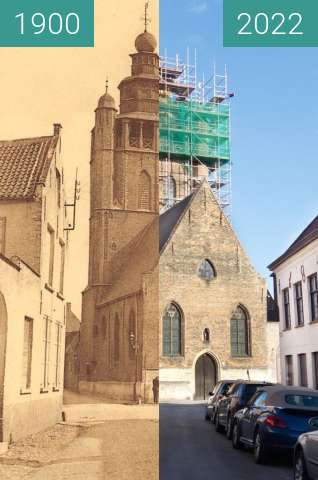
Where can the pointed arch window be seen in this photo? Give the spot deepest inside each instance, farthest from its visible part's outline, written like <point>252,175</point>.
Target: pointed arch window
<point>171,331</point>
<point>206,270</point>
<point>116,340</point>
<point>240,333</point>
<point>144,191</point>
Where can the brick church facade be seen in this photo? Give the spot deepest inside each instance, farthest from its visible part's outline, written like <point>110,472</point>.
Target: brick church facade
<point>119,330</point>
<point>214,305</point>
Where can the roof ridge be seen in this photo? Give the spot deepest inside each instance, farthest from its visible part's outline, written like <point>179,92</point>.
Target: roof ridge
<point>308,235</point>
<point>27,139</point>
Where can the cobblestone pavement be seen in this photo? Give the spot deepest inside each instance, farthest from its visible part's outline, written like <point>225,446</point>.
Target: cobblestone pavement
<point>112,450</point>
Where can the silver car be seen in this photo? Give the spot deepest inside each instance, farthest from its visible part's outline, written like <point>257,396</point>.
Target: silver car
<point>306,456</point>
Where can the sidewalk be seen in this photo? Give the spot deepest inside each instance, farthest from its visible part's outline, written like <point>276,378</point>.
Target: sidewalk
<point>98,441</point>
<point>94,410</point>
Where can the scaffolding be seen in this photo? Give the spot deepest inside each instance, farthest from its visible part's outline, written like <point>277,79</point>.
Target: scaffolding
<point>194,133</point>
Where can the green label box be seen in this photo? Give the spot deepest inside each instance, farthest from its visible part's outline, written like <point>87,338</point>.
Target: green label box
<point>270,23</point>
<point>47,23</point>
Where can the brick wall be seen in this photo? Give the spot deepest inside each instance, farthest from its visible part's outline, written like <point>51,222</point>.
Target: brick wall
<point>23,230</point>
<point>205,233</point>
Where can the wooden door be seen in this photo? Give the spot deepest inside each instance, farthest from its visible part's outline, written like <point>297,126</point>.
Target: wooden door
<point>205,376</point>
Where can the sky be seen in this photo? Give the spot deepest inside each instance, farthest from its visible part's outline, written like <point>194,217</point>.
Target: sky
<point>40,86</point>
<point>274,126</point>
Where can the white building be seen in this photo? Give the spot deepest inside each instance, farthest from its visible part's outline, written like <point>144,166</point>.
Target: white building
<point>296,290</point>
<point>33,247</point>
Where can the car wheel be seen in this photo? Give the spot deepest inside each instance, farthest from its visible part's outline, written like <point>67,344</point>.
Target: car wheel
<point>236,436</point>
<point>229,427</point>
<point>300,471</point>
<point>218,426</point>
<point>260,453</point>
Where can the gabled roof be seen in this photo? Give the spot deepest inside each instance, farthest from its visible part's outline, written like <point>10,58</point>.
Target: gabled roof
<point>170,219</point>
<point>305,238</point>
<point>24,164</point>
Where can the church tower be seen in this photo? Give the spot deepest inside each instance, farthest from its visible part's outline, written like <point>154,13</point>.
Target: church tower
<point>124,163</point>
<point>119,330</point>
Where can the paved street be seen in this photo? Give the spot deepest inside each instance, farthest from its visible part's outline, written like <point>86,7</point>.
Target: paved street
<point>99,442</point>
<point>190,449</point>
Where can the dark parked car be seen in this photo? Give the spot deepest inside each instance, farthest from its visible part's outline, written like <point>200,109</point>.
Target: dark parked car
<point>306,455</point>
<point>274,419</point>
<point>235,399</point>
<point>219,390</point>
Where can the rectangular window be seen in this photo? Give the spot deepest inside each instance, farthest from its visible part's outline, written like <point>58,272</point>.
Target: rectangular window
<point>27,353</point>
<point>51,255</point>
<point>286,309</point>
<point>46,352</point>
<point>315,368</point>
<point>289,370</point>
<point>57,359</point>
<point>3,224</point>
<point>302,366</point>
<point>313,293</point>
<point>299,304</point>
<point>62,266</point>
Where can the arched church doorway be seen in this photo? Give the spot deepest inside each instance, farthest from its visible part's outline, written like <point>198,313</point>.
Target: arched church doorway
<point>3,343</point>
<point>205,376</point>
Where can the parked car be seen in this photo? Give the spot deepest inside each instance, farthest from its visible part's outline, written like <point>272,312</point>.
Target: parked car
<point>306,455</point>
<point>235,399</point>
<point>274,419</point>
<point>219,390</point>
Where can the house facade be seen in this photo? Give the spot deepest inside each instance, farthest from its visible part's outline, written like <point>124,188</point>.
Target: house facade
<point>295,276</point>
<point>33,250</point>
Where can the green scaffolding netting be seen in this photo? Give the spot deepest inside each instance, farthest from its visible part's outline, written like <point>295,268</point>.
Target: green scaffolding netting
<point>190,128</point>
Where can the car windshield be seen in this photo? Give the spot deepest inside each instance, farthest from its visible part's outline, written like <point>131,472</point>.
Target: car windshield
<point>225,387</point>
<point>302,400</point>
<point>249,390</point>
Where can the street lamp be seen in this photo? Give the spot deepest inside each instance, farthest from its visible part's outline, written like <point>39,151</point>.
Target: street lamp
<point>135,346</point>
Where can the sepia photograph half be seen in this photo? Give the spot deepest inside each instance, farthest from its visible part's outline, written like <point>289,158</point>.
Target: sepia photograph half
<point>158,241</point>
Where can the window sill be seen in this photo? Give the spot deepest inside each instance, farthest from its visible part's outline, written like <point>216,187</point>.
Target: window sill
<point>44,390</point>
<point>173,356</point>
<point>60,296</point>
<point>25,391</point>
<point>55,389</point>
<point>241,357</point>
<point>300,326</point>
<point>49,288</point>
<point>286,329</point>
<point>313,322</point>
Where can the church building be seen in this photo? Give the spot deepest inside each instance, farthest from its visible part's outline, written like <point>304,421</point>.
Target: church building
<point>185,299</point>
<point>119,331</point>
<point>213,304</point>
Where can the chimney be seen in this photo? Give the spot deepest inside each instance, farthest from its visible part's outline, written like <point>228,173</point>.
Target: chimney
<point>57,129</point>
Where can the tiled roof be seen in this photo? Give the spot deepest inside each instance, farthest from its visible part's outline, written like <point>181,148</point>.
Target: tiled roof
<point>23,165</point>
<point>305,238</point>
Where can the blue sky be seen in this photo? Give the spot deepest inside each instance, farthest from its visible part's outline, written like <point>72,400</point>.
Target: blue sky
<point>274,126</point>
